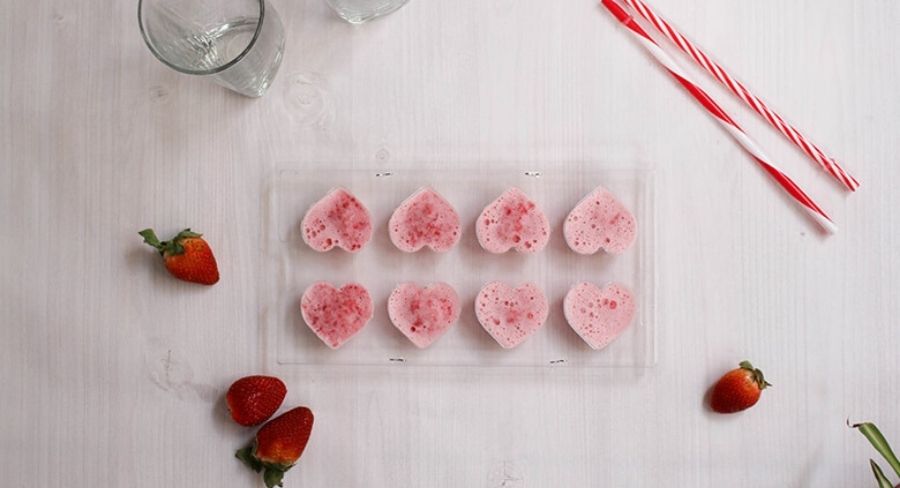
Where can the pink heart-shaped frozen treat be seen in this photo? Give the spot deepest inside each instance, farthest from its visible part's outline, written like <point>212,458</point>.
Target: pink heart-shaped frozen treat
<point>510,315</point>
<point>424,219</point>
<point>336,315</point>
<point>512,221</point>
<point>600,221</point>
<point>599,315</point>
<point>339,219</point>
<point>423,314</point>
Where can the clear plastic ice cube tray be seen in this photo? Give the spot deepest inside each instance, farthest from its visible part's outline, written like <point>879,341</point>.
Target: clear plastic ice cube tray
<point>290,266</point>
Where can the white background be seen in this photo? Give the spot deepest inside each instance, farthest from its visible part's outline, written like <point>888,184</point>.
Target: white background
<point>111,373</point>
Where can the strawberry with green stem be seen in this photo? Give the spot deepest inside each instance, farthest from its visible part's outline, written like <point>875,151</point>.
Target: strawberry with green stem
<point>278,445</point>
<point>187,256</point>
<point>739,389</point>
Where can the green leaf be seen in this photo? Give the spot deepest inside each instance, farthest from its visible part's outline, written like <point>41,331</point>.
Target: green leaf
<point>272,477</point>
<point>186,234</point>
<point>151,239</point>
<point>758,376</point>
<point>883,482</point>
<point>246,455</point>
<point>174,247</point>
<point>880,444</point>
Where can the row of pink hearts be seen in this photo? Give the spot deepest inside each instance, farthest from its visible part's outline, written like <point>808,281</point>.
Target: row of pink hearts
<point>509,314</point>
<point>512,221</point>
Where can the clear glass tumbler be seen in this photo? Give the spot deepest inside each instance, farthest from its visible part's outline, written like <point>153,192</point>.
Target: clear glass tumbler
<point>359,11</point>
<point>238,43</point>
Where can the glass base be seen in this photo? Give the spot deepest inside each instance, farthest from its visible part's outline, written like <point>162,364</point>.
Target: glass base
<point>362,11</point>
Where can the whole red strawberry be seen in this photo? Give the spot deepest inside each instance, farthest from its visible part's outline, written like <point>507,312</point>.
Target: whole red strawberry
<point>187,256</point>
<point>738,390</point>
<point>278,445</point>
<point>253,399</point>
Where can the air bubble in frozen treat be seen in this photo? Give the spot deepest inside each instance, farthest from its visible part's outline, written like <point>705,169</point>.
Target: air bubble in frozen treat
<point>511,315</point>
<point>337,220</point>
<point>513,221</point>
<point>424,219</point>
<point>600,221</point>
<point>336,314</point>
<point>423,314</point>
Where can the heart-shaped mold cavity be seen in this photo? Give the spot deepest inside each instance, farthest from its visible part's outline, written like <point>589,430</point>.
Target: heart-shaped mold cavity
<point>423,314</point>
<point>599,315</point>
<point>336,315</point>
<point>337,220</point>
<point>512,221</point>
<point>424,219</point>
<point>600,221</point>
<point>511,315</point>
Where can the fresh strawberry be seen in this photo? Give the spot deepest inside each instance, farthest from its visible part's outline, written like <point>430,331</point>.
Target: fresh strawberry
<point>278,445</point>
<point>738,390</point>
<point>187,256</point>
<point>253,399</point>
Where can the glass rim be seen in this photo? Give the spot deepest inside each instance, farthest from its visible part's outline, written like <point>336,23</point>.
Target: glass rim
<point>212,71</point>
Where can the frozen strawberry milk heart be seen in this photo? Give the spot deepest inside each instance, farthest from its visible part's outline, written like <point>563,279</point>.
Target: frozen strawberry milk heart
<point>424,219</point>
<point>336,315</point>
<point>510,315</point>
<point>597,314</point>
<point>512,221</point>
<point>600,221</point>
<point>339,219</point>
<point>423,314</point>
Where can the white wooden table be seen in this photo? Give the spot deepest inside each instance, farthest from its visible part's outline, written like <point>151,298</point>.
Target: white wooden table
<point>111,374</point>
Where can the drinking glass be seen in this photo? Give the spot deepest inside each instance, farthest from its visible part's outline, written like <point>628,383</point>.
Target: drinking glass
<point>359,11</point>
<point>238,43</point>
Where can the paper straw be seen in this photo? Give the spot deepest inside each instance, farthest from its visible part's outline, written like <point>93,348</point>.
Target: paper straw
<point>739,90</point>
<point>806,203</point>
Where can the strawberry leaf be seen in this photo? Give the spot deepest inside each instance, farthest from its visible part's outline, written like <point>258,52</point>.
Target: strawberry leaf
<point>272,477</point>
<point>151,239</point>
<point>246,455</point>
<point>880,444</point>
<point>883,482</point>
<point>171,247</point>
<point>185,234</point>
<point>758,376</point>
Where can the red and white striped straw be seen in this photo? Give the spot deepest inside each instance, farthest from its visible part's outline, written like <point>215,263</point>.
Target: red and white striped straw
<point>730,125</point>
<point>739,90</point>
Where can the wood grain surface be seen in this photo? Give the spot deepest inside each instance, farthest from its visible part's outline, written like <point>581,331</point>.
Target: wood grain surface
<point>111,373</point>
